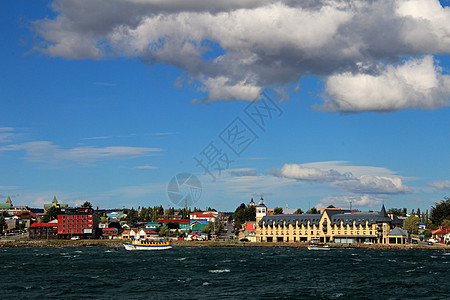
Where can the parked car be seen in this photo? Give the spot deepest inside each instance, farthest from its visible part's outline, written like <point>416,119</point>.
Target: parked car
<point>415,242</point>
<point>430,243</point>
<point>368,243</point>
<point>75,238</point>
<point>244,240</point>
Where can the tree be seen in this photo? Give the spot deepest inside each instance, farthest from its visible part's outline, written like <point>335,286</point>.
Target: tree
<point>278,210</point>
<point>412,224</point>
<point>2,223</point>
<point>173,225</point>
<point>164,231</point>
<point>115,225</point>
<point>298,212</point>
<point>313,211</point>
<point>51,214</point>
<point>132,217</point>
<point>219,229</point>
<point>395,211</point>
<point>250,213</point>
<point>404,212</point>
<point>419,215</point>
<point>427,233</point>
<point>208,228</point>
<point>86,204</point>
<point>440,212</point>
<point>331,206</point>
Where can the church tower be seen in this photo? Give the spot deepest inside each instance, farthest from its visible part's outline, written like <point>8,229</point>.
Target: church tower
<point>261,210</point>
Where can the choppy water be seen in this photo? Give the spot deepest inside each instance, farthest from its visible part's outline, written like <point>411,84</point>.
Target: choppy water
<point>192,273</point>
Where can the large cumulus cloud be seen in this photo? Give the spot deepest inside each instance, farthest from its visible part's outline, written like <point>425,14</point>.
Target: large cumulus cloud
<point>269,44</point>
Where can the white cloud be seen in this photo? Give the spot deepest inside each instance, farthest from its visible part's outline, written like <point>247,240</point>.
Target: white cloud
<point>357,201</point>
<point>265,43</point>
<point>368,184</point>
<point>355,179</point>
<point>300,172</point>
<point>5,134</point>
<point>417,83</point>
<point>440,184</point>
<point>44,151</point>
<point>145,168</point>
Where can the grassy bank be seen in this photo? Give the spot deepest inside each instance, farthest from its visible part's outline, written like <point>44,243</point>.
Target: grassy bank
<point>118,243</point>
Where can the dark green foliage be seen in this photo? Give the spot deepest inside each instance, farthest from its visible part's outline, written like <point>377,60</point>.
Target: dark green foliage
<point>115,225</point>
<point>313,211</point>
<point>440,212</point>
<point>331,206</point>
<point>86,204</point>
<point>132,217</point>
<point>278,210</point>
<point>299,212</point>
<point>2,223</point>
<point>395,211</point>
<point>173,225</point>
<point>51,214</point>
<point>404,212</point>
<point>243,214</point>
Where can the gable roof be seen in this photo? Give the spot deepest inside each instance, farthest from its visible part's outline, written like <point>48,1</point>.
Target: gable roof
<point>398,231</point>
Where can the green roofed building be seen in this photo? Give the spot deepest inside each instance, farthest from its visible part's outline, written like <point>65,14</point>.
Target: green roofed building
<point>10,208</point>
<point>54,203</point>
<point>6,205</point>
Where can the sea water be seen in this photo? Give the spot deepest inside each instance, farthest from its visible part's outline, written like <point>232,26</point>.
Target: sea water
<point>234,273</point>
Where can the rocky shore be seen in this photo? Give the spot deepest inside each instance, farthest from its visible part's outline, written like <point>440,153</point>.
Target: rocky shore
<point>118,243</point>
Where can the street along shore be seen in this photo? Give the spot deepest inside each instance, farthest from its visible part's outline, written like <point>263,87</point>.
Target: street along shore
<point>176,243</point>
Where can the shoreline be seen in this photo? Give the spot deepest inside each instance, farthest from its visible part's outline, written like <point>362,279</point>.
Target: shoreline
<point>176,243</point>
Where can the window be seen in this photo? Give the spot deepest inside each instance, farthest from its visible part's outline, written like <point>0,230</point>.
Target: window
<point>266,232</point>
<point>332,232</point>
<point>312,232</point>
<point>287,232</point>
<point>345,232</point>
<point>277,232</point>
<point>339,232</point>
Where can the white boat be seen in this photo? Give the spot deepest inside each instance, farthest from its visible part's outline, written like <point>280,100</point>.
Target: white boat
<point>145,244</point>
<point>325,247</point>
<point>316,245</point>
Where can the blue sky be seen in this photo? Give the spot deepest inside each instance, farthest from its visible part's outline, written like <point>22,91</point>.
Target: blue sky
<point>108,108</point>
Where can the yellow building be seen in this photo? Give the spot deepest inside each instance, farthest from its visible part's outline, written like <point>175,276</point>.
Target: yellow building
<point>340,226</point>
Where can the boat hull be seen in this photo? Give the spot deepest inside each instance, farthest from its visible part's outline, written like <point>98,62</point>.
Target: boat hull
<point>129,246</point>
<point>318,248</point>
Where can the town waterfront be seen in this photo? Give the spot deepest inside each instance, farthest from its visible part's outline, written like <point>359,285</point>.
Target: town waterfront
<point>209,272</point>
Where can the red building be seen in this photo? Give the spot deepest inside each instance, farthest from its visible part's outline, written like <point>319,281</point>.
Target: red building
<point>43,231</point>
<point>109,233</point>
<point>77,222</point>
